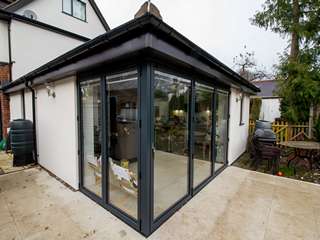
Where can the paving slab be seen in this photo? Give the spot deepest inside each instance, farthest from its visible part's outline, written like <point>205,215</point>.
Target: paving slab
<point>238,204</point>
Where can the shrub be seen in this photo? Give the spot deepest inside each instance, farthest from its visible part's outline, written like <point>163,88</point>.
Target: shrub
<point>255,108</point>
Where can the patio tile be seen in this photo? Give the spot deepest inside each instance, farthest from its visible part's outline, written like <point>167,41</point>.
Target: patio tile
<point>27,205</point>
<point>49,223</point>
<point>237,206</point>
<point>5,216</point>
<point>91,218</point>
<point>234,172</point>
<point>262,177</point>
<point>9,231</point>
<point>293,202</point>
<point>317,217</point>
<point>236,225</point>
<point>295,185</point>
<point>17,180</point>
<point>282,225</point>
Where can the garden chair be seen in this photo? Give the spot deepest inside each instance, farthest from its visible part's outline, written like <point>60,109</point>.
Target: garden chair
<point>266,152</point>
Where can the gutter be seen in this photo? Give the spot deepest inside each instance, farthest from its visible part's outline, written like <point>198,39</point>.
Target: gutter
<point>34,120</point>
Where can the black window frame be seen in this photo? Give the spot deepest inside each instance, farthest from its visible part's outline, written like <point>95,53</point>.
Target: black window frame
<point>145,223</point>
<point>72,12</point>
<point>103,200</point>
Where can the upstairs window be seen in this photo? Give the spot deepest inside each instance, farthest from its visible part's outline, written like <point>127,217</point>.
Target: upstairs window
<point>75,8</point>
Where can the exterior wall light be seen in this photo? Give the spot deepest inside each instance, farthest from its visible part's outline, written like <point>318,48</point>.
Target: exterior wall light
<point>50,91</point>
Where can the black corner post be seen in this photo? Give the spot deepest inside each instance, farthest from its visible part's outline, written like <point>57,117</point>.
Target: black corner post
<point>214,130</point>
<point>145,175</point>
<point>105,144</point>
<point>191,116</point>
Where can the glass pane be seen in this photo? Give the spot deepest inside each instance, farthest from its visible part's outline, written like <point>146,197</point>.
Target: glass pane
<point>79,9</point>
<point>221,129</point>
<point>66,6</point>
<point>91,130</point>
<point>123,141</point>
<point>171,110</point>
<point>202,134</point>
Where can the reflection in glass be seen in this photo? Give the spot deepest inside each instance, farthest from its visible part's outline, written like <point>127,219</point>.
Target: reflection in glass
<point>221,129</point>
<point>123,141</point>
<point>91,129</point>
<point>171,110</point>
<point>202,133</point>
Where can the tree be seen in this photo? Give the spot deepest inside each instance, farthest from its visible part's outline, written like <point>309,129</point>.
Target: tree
<point>299,69</point>
<point>246,65</point>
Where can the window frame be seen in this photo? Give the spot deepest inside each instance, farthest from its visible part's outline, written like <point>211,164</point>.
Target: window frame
<point>72,10</point>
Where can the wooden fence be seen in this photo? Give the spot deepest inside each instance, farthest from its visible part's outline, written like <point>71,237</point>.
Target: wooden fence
<point>284,130</point>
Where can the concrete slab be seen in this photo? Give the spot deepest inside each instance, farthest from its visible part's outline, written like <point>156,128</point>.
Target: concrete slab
<point>238,204</point>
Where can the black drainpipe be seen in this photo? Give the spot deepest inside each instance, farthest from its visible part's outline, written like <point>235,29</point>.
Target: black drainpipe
<point>34,120</point>
<point>23,105</point>
<point>10,51</point>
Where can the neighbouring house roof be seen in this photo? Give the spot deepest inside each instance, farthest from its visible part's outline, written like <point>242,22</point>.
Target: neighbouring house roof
<point>268,88</point>
<point>5,15</point>
<point>147,33</point>
<point>17,4</point>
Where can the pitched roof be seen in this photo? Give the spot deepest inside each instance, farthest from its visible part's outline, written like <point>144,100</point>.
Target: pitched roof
<point>5,15</point>
<point>268,87</point>
<point>17,4</point>
<point>143,25</point>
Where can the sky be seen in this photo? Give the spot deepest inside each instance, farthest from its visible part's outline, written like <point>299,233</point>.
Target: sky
<point>220,27</point>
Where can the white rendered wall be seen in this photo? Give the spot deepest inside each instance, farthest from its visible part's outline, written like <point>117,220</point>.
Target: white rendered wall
<point>33,47</point>
<point>4,49</point>
<point>28,105</point>
<point>15,106</point>
<point>50,12</point>
<point>238,134</point>
<point>270,109</point>
<point>57,131</point>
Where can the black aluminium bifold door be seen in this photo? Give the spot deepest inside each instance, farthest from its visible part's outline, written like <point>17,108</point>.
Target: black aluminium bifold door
<point>149,140</point>
<point>109,140</point>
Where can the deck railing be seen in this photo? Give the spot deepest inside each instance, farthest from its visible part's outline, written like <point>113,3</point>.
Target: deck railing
<point>284,130</point>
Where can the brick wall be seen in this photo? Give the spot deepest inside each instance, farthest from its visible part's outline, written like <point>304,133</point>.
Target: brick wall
<point>4,100</point>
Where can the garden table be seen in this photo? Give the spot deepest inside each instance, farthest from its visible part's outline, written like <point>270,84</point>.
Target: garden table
<point>302,150</point>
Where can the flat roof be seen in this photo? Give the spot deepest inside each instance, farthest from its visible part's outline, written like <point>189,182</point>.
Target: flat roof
<point>147,26</point>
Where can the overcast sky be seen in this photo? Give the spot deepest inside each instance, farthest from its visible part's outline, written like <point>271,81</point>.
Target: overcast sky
<point>221,27</point>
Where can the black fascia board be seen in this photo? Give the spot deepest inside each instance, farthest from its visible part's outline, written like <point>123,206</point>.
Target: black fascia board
<point>144,24</point>
<point>8,15</point>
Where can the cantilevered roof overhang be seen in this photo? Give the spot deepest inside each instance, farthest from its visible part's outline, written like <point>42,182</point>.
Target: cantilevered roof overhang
<point>148,35</point>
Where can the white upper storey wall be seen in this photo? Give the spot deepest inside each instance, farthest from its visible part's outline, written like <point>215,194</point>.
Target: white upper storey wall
<point>50,12</point>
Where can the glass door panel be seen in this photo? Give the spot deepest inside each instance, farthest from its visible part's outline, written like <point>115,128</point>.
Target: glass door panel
<point>171,143</point>
<point>222,112</point>
<point>202,133</point>
<point>90,102</point>
<point>123,141</point>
